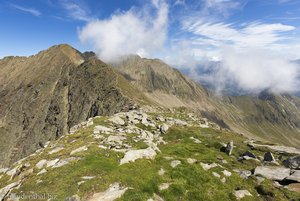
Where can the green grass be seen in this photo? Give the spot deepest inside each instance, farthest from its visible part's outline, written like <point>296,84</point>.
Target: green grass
<point>187,181</point>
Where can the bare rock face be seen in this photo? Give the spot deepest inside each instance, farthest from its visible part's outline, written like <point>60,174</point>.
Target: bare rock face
<point>43,96</point>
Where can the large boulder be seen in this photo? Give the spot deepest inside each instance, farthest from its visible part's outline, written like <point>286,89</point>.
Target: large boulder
<point>273,173</point>
<point>292,162</point>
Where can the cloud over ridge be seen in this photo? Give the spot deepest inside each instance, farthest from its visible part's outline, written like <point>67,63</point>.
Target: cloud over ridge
<point>130,32</point>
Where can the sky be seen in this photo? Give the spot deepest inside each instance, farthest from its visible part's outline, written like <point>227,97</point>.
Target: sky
<point>255,41</point>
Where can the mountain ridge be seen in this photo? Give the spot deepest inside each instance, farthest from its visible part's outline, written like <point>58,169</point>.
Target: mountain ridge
<point>60,87</point>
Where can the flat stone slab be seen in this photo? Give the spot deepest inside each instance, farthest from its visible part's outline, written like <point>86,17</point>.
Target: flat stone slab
<point>41,163</point>
<point>114,191</point>
<point>273,173</point>
<point>80,149</point>
<point>133,155</point>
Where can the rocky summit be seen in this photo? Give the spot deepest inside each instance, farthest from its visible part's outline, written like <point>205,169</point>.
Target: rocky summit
<point>75,128</point>
<point>127,156</point>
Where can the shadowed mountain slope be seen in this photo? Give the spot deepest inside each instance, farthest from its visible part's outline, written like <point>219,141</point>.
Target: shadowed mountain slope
<point>42,96</point>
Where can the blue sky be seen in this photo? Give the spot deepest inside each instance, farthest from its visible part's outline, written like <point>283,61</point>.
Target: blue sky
<point>184,33</point>
<point>32,25</point>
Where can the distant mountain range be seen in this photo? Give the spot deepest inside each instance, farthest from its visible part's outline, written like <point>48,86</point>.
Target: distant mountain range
<point>44,95</point>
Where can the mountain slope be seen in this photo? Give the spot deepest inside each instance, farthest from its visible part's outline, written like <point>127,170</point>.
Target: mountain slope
<point>266,116</point>
<point>42,96</point>
<point>161,83</point>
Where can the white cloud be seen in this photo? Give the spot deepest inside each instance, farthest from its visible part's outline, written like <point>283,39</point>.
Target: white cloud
<point>253,34</point>
<point>223,7</point>
<point>131,32</point>
<point>254,56</point>
<point>76,11</point>
<point>256,70</point>
<point>31,11</point>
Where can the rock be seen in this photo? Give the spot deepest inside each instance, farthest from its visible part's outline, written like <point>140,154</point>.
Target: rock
<point>103,129</point>
<point>223,180</point>
<point>163,186</point>
<point>16,171</point>
<point>161,172</point>
<point>277,184</point>
<point>259,179</point>
<point>155,198</point>
<point>163,128</point>
<point>53,162</point>
<point>216,174</point>
<point>41,163</point>
<point>241,194</point>
<point>229,148</point>
<point>73,198</point>
<point>292,162</point>
<point>226,173</point>
<point>3,170</point>
<point>245,174</point>
<point>191,160</point>
<point>206,166</point>
<point>114,191</point>
<point>65,161</point>
<point>81,182</point>
<point>42,172</point>
<point>12,171</point>
<point>249,154</point>
<point>294,187</point>
<point>58,149</point>
<point>179,122</point>
<point>80,149</point>
<point>88,177</point>
<point>294,176</point>
<point>175,163</point>
<point>271,172</point>
<point>195,140</point>
<point>4,192</point>
<point>39,181</point>
<point>117,120</point>
<point>248,158</point>
<point>133,155</point>
<point>116,138</point>
<point>268,156</point>
<point>25,173</point>
<point>281,149</point>
<point>160,118</point>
